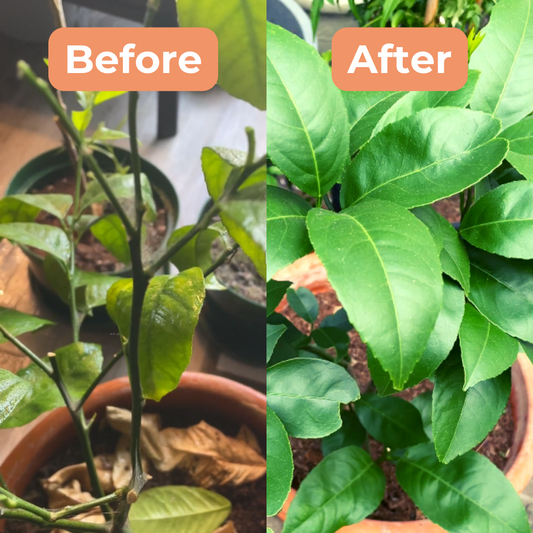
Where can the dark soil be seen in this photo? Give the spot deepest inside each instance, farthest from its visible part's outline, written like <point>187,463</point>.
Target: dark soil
<point>248,501</point>
<point>240,275</point>
<point>449,208</point>
<point>91,255</point>
<point>396,506</point>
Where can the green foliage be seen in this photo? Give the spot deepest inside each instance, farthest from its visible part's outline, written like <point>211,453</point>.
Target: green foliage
<point>18,323</point>
<point>12,391</point>
<point>169,509</point>
<point>112,234</point>
<point>303,303</point>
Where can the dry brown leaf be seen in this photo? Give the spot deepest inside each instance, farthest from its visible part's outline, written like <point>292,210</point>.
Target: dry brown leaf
<point>247,435</point>
<point>122,463</point>
<point>226,528</point>
<point>211,457</point>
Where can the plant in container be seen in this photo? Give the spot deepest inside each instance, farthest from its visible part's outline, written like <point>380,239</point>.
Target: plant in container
<point>156,318</point>
<point>446,308</point>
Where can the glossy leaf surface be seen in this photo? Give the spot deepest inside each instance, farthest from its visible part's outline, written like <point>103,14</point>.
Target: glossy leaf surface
<point>303,303</point>
<point>12,391</point>
<point>273,334</point>
<point>350,433</point>
<point>18,323</point>
<point>520,155</point>
<point>275,292</point>
<point>55,204</point>
<point>112,234</point>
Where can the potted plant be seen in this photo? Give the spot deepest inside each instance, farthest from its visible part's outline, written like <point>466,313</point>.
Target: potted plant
<point>156,318</point>
<point>428,301</point>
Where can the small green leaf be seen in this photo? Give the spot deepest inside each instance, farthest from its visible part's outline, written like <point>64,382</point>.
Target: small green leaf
<point>337,320</point>
<point>219,166</point>
<point>287,237</point>
<point>469,494</point>
<point>520,155</point>
<point>485,349</point>
<point>303,303</point>
<point>424,403</point>
<point>274,333</point>
<point>82,119</point>
<point>104,96</point>
<point>350,433</point>
<point>306,393</point>
<point>12,391</point>
<point>112,234</point>
<point>170,509</point>
<point>18,323</point>
<point>275,292</point>
<point>105,134</point>
<point>279,464</point>
<point>462,419</point>
<point>332,338</point>
<point>391,420</point>
<point>55,204</point>
<point>169,317</point>
<point>342,490</point>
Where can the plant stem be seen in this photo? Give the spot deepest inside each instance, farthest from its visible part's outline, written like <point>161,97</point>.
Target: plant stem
<point>151,11</point>
<point>26,351</point>
<point>79,170</point>
<point>72,282</point>
<point>222,258</point>
<point>73,510</point>
<point>313,348</point>
<point>19,503</point>
<point>328,203</point>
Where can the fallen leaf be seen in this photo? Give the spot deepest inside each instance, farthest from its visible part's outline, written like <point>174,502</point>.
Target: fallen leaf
<point>121,475</point>
<point>226,528</point>
<point>247,435</point>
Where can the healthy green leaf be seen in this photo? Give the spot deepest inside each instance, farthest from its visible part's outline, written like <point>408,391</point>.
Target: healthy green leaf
<point>18,323</point>
<point>279,464</point>
<point>12,391</point>
<point>462,419</point>
<point>520,155</point>
<point>170,509</point>
<point>468,495</point>
<point>502,291</point>
<point>306,393</point>
<point>287,237</point>
<point>274,332</point>
<point>391,420</point>
<point>426,159</point>
<point>395,255</point>
<point>303,303</point>
<point>485,349</point>
<point>169,317</point>
<point>424,403</point>
<point>104,96</point>
<point>275,292</point>
<point>453,256</point>
<point>365,109</point>
<point>105,134</point>
<point>337,320</point>
<point>415,101</point>
<point>350,433</point>
<point>82,119</point>
<point>306,123</point>
<point>240,29</point>
<point>112,234</point>
<point>47,238</point>
<point>332,338</point>
<point>13,210</point>
<point>342,490</point>
<point>505,88</point>
<point>501,221</point>
<point>16,208</point>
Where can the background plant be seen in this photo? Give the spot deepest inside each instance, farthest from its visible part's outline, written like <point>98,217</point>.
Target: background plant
<point>156,315</point>
<point>428,300</point>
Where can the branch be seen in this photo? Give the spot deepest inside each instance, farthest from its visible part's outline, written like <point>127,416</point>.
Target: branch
<point>224,257</point>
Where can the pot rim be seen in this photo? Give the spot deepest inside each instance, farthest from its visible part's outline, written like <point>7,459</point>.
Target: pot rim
<point>519,468</point>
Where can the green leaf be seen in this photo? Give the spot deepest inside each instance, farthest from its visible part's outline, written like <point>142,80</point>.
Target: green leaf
<point>18,323</point>
<point>391,420</point>
<point>306,393</point>
<point>170,509</point>
<point>274,332</point>
<point>112,234</point>
<point>12,391</point>
<point>338,320</point>
<point>501,221</point>
<point>332,338</point>
<point>505,88</point>
<point>485,349</point>
<point>520,155</point>
<point>462,419</point>
<point>426,159</point>
<point>342,490</point>
<point>424,403</point>
<point>469,494</point>
<point>306,122</point>
<point>240,29</point>
<point>303,303</point>
<point>41,397</point>
<point>415,101</point>
<point>17,207</point>
<point>502,291</point>
<point>350,433</point>
<point>279,464</point>
<point>453,255</point>
<point>123,186</point>
<point>50,239</point>
<point>287,237</point>
<point>365,109</point>
<point>104,96</point>
<point>395,255</point>
<point>105,134</point>
<point>82,119</point>
<point>244,216</point>
<point>169,317</point>
<point>79,365</point>
<point>275,292</point>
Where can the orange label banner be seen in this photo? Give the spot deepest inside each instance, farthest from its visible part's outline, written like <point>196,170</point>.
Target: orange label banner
<point>133,59</point>
<point>399,59</point>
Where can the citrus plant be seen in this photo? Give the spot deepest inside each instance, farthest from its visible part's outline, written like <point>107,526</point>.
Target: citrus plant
<point>156,315</point>
<point>428,299</point>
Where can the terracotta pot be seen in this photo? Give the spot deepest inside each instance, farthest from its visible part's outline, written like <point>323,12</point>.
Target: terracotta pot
<point>198,397</point>
<point>309,272</point>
